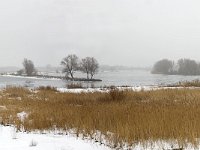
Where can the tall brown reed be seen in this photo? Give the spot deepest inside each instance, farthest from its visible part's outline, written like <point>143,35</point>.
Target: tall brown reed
<point>121,116</point>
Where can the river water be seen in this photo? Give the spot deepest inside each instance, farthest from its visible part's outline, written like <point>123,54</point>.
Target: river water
<point>117,78</point>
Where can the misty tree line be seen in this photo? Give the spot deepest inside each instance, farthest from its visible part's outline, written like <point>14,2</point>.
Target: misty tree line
<point>181,67</point>
<point>71,64</point>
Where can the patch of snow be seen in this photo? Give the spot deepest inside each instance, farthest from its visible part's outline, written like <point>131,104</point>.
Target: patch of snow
<point>12,140</point>
<point>22,116</point>
<point>92,90</point>
<point>81,90</point>
<point>136,89</point>
<point>24,141</point>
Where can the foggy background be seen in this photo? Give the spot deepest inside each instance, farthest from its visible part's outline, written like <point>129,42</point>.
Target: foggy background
<point>115,32</point>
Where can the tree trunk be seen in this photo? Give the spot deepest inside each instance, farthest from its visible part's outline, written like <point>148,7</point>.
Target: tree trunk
<point>72,75</point>
<point>92,76</point>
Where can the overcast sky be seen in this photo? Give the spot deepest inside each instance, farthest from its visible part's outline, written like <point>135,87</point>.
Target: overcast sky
<point>116,32</point>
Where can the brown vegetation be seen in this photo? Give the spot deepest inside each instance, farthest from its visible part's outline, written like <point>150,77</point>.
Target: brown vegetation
<point>120,116</point>
<point>75,86</point>
<point>194,83</point>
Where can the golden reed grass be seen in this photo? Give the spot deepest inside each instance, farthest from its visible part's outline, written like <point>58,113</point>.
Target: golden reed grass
<point>130,116</point>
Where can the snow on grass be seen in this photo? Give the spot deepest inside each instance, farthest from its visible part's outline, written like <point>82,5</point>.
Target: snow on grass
<point>22,116</point>
<point>92,90</point>
<point>10,140</point>
<point>132,88</point>
<point>81,90</point>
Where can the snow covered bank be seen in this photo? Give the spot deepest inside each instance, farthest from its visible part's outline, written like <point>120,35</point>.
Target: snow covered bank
<point>10,140</point>
<point>80,90</point>
<point>137,89</point>
<point>27,77</point>
<point>92,90</point>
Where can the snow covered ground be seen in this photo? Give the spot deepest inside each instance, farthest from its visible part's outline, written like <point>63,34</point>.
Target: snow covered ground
<point>10,140</point>
<point>139,88</point>
<point>86,90</point>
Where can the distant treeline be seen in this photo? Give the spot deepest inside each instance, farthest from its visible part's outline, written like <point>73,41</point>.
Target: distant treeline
<point>71,64</point>
<point>181,67</point>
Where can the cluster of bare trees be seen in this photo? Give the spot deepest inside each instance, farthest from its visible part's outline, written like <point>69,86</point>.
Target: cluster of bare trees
<point>72,63</point>
<point>181,67</point>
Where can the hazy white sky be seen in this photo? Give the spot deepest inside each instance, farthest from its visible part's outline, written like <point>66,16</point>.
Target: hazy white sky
<point>116,32</point>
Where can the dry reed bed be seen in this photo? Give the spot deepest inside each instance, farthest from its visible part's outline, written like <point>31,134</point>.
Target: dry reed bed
<point>131,116</point>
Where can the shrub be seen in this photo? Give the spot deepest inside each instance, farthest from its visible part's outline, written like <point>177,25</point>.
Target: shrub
<point>47,88</point>
<point>75,86</point>
<point>114,95</point>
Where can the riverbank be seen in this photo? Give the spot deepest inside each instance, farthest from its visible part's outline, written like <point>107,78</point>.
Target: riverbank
<point>55,77</point>
<point>12,140</point>
<point>116,118</point>
<point>195,84</point>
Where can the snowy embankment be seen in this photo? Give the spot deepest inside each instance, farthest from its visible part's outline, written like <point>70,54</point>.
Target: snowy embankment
<point>92,90</point>
<point>27,77</point>
<point>136,89</point>
<point>10,140</point>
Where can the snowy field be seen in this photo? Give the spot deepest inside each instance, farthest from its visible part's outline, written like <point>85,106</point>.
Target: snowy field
<point>10,140</point>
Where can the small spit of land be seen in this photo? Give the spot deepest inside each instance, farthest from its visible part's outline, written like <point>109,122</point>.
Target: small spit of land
<point>55,77</point>
<point>163,118</point>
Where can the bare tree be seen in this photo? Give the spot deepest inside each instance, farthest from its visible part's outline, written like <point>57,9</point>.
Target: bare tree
<point>89,65</point>
<point>85,66</point>
<point>70,64</point>
<point>29,67</point>
<point>94,67</point>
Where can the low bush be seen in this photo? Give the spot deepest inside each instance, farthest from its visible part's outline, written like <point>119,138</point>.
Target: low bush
<point>47,88</point>
<point>75,86</point>
<point>194,83</point>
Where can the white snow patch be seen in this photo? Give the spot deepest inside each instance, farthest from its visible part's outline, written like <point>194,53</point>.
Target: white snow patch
<point>24,141</point>
<point>22,116</point>
<point>81,90</point>
<point>12,140</point>
<point>136,89</point>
